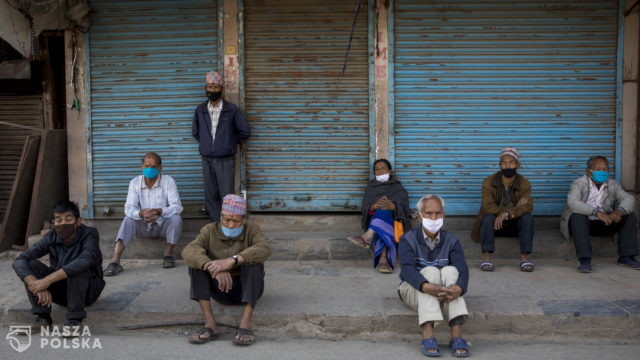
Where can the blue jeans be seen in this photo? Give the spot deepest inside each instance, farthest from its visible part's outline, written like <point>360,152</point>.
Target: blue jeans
<point>521,227</point>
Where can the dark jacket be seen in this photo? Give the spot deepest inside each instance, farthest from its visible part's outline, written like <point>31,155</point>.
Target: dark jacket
<point>83,254</point>
<point>232,129</point>
<point>492,197</point>
<point>414,253</point>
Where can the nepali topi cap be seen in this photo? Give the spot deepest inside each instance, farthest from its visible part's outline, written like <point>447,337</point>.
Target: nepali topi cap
<point>213,77</point>
<point>233,204</point>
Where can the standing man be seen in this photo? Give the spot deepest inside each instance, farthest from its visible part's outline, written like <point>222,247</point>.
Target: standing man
<point>226,263</point>
<point>434,276</point>
<point>152,211</point>
<point>219,127</point>
<point>74,277</point>
<point>597,205</point>
<point>505,211</point>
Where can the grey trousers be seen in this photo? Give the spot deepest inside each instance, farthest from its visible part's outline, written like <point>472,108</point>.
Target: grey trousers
<point>170,229</point>
<point>247,287</point>
<point>219,180</point>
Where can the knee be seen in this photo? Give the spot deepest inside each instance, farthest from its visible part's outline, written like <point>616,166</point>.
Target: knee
<point>449,274</point>
<point>526,218</point>
<point>630,220</point>
<point>488,220</point>
<point>578,219</point>
<point>431,273</point>
<point>175,219</point>
<point>252,268</point>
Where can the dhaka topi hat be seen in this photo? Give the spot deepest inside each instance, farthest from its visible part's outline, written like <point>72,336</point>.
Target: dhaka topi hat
<point>213,77</point>
<point>233,204</point>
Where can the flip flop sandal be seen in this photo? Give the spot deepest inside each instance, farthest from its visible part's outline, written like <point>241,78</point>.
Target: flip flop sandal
<point>113,269</point>
<point>459,344</point>
<point>430,344</point>
<point>243,332</point>
<point>196,339</point>
<point>385,269</point>
<point>526,266</point>
<point>487,266</point>
<point>360,241</point>
<point>168,262</point>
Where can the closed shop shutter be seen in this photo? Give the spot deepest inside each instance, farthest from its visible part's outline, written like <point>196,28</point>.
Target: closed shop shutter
<point>148,62</point>
<point>24,110</point>
<point>474,76</point>
<point>309,149</point>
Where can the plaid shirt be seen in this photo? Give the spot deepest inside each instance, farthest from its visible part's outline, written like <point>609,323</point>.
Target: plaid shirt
<point>214,114</point>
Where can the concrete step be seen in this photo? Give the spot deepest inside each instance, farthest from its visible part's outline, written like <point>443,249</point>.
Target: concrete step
<point>324,237</point>
<point>347,300</point>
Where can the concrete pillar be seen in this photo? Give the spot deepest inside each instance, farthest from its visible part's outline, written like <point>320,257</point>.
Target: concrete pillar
<point>381,88</point>
<point>76,122</point>
<point>231,67</point>
<point>232,70</point>
<point>631,81</point>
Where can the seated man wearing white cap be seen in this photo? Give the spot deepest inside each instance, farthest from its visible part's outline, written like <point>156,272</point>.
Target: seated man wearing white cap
<point>226,263</point>
<point>505,211</point>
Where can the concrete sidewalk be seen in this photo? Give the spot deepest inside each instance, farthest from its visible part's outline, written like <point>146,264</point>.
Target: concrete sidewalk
<point>346,300</point>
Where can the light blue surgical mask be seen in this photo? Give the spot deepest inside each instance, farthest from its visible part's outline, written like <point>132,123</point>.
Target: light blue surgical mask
<point>150,172</point>
<point>231,233</point>
<point>600,176</point>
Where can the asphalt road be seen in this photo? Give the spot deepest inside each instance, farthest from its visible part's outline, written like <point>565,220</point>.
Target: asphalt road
<point>173,345</point>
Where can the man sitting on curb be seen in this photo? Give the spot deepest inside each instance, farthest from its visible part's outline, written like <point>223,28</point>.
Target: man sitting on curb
<point>505,211</point>
<point>152,211</point>
<point>226,263</point>
<point>74,277</point>
<point>597,205</point>
<point>434,276</point>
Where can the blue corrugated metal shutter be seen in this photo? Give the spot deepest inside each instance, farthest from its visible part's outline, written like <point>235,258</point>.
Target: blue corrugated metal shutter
<point>473,76</point>
<point>309,149</point>
<point>148,60</point>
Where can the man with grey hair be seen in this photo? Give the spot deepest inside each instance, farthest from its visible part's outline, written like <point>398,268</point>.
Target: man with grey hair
<point>597,205</point>
<point>434,276</point>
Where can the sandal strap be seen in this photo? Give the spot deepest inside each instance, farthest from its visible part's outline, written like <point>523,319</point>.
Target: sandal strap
<point>243,331</point>
<point>430,343</point>
<point>208,330</point>
<point>459,343</point>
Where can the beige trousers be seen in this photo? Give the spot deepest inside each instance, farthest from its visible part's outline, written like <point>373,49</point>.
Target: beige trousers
<point>429,308</point>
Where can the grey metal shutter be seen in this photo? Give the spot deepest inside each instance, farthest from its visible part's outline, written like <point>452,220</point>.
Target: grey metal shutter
<point>309,149</point>
<point>148,63</point>
<point>473,76</point>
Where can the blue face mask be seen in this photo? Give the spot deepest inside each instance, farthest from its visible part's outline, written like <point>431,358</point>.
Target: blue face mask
<point>150,172</point>
<point>231,233</point>
<point>600,176</point>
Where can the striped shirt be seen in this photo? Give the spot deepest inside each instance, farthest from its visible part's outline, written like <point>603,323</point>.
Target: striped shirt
<point>214,114</point>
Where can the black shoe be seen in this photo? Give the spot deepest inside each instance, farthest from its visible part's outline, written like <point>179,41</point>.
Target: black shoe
<point>629,261</point>
<point>585,265</point>
<point>72,329</point>
<point>39,322</point>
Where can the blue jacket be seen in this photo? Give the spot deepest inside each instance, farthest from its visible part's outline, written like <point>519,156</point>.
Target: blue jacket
<point>415,255</point>
<point>232,129</point>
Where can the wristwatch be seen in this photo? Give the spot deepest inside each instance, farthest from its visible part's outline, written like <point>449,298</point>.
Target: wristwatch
<point>235,260</point>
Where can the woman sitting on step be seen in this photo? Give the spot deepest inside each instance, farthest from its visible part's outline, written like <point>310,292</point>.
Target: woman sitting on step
<point>385,211</point>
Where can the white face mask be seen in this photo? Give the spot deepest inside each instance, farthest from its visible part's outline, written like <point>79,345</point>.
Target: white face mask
<point>383,177</point>
<point>432,225</point>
